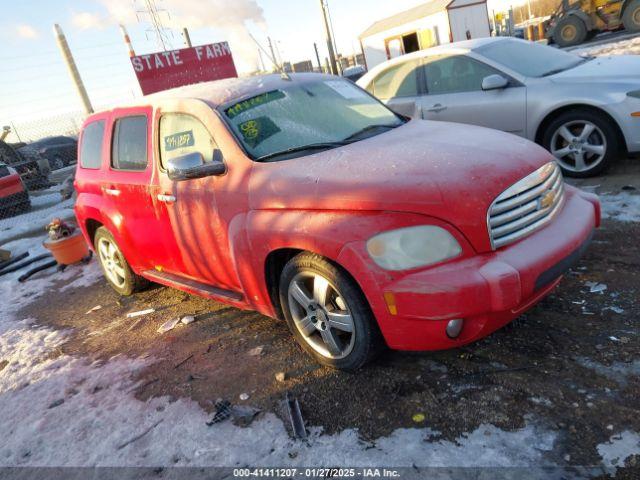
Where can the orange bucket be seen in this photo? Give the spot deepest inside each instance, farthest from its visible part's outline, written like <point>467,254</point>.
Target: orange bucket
<point>68,250</point>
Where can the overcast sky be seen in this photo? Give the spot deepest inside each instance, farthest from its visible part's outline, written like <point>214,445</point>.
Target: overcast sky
<point>34,82</point>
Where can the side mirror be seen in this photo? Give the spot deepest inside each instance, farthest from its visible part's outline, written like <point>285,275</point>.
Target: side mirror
<point>494,82</point>
<point>191,165</point>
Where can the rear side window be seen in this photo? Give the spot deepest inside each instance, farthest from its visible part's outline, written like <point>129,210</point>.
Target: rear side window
<point>129,149</point>
<point>181,134</point>
<point>91,148</point>
<point>398,81</point>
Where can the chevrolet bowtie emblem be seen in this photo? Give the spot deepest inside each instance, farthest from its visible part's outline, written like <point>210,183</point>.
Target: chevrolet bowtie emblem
<point>546,200</point>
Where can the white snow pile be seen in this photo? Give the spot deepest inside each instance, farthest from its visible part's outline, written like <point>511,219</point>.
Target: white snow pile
<point>624,206</point>
<point>628,46</point>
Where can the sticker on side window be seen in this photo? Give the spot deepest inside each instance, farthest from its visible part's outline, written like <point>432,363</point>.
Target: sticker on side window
<point>345,89</point>
<point>179,140</point>
<point>257,130</point>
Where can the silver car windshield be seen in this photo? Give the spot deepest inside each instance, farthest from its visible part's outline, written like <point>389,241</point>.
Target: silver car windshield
<point>530,59</point>
<point>306,118</point>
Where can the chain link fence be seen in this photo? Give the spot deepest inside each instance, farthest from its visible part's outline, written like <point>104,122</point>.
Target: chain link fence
<point>37,164</point>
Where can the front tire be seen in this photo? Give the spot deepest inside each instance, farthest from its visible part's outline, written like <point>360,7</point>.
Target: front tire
<point>569,31</point>
<point>115,267</point>
<point>631,17</point>
<point>584,143</point>
<point>328,314</point>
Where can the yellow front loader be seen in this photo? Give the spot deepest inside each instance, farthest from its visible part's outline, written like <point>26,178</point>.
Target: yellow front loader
<point>573,23</point>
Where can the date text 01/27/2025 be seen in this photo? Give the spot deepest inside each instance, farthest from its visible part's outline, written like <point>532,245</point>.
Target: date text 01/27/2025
<point>317,472</point>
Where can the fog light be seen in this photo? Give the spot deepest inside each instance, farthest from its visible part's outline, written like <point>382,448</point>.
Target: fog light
<point>454,327</point>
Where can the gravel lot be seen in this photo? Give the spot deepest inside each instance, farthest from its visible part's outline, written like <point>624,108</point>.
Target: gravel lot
<point>570,366</point>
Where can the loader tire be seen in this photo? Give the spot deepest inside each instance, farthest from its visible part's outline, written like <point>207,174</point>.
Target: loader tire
<point>631,16</point>
<point>570,31</point>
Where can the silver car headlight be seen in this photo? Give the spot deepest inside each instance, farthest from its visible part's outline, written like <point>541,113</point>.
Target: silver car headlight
<point>412,247</point>
<point>634,94</point>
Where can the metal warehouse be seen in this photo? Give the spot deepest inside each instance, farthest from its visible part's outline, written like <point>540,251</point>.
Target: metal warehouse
<point>424,26</point>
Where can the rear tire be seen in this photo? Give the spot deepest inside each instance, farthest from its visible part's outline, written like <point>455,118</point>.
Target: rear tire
<point>582,157</point>
<point>321,300</point>
<point>115,267</point>
<point>631,16</point>
<point>570,31</point>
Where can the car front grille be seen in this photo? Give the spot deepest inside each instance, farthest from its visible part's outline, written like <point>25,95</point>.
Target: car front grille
<point>526,206</point>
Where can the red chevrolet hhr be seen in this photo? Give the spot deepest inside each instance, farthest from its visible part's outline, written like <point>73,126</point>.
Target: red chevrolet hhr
<point>305,198</point>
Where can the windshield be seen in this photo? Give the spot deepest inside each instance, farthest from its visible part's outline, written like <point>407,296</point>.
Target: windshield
<point>307,117</point>
<point>529,59</point>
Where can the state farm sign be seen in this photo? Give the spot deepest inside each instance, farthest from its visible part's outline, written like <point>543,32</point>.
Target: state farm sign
<point>175,68</point>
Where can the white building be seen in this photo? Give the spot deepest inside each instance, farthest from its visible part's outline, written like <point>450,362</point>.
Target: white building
<point>433,23</point>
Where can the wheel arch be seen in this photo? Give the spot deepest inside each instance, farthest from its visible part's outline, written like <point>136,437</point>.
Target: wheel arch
<point>551,116</point>
<point>92,225</point>
<point>274,265</point>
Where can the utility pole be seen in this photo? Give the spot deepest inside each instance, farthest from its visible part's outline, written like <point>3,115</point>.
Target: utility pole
<point>315,47</point>
<point>73,70</point>
<point>273,55</point>
<point>262,69</point>
<point>127,41</point>
<point>187,38</point>
<point>332,54</point>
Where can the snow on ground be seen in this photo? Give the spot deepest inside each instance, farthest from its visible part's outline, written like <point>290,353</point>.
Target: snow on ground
<point>618,448</point>
<point>58,410</point>
<point>84,414</point>
<point>628,46</point>
<point>617,371</point>
<point>45,206</point>
<point>624,207</point>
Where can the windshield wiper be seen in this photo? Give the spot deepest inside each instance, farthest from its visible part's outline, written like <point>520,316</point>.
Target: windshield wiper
<point>564,69</point>
<point>302,148</point>
<point>368,129</point>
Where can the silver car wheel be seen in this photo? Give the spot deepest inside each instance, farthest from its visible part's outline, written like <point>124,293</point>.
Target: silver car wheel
<point>578,145</point>
<point>321,315</point>
<point>110,260</point>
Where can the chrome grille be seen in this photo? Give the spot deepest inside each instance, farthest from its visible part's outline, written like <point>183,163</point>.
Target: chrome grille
<point>526,206</point>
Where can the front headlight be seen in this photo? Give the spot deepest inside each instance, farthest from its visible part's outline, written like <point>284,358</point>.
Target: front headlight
<point>634,94</point>
<point>412,247</point>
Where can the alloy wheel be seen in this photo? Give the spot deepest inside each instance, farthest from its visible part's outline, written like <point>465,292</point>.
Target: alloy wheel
<point>578,146</point>
<point>110,259</point>
<point>321,315</point>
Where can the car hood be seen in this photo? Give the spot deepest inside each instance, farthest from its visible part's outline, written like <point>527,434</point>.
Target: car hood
<point>445,170</point>
<point>603,69</point>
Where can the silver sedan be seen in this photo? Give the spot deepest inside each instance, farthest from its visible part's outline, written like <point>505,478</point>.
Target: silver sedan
<point>584,110</point>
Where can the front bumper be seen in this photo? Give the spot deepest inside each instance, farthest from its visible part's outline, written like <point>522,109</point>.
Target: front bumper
<point>486,290</point>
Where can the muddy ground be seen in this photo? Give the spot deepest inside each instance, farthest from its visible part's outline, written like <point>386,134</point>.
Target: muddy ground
<point>571,364</point>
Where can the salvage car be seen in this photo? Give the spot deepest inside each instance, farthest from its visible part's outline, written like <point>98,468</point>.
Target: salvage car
<point>32,168</point>
<point>307,199</point>
<point>14,198</point>
<point>584,110</point>
<point>60,151</point>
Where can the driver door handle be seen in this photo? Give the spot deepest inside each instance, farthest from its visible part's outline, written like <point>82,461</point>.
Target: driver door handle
<point>166,198</point>
<point>437,108</point>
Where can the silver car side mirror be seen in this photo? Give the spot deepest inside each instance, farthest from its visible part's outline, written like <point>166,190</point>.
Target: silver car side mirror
<point>494,82</point>
<point>191,165</point>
